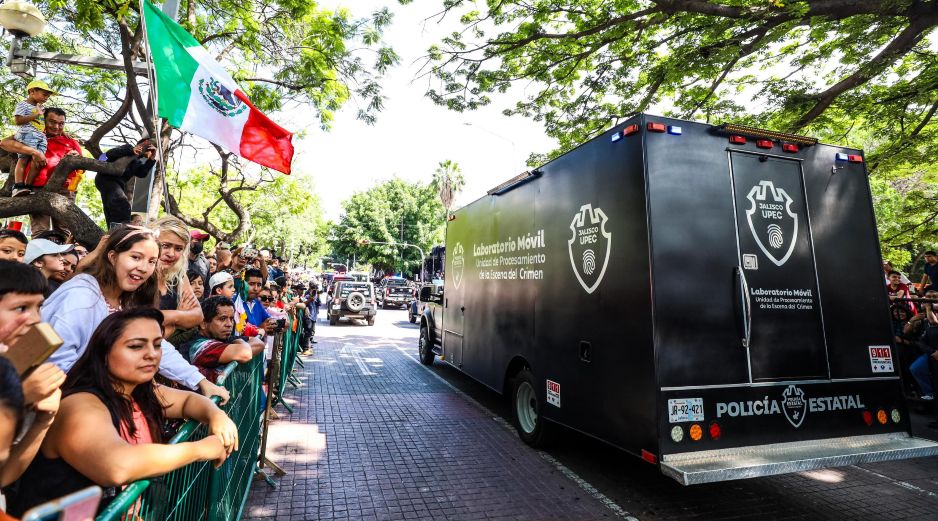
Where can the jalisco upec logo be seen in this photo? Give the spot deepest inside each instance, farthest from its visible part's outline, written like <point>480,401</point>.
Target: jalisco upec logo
<point>220,98</point>
<point>589,246</point>
<point>459,264</point>
<point>773,224</point>
<point>794,405</point>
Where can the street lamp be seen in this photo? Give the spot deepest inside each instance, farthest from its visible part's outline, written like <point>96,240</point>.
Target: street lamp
<point>24,20</point>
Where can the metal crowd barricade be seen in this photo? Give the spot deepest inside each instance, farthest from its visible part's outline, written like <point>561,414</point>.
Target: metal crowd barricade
<point>288,357</point>
<point>198,491</point>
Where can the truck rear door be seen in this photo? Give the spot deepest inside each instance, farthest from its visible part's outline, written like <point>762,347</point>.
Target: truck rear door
<point>784,329</point>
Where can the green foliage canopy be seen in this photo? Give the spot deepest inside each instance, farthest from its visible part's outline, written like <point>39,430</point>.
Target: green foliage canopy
<point>396,212</point>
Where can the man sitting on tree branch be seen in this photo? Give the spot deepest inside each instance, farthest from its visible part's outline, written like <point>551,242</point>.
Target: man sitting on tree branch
<point>59,146</point>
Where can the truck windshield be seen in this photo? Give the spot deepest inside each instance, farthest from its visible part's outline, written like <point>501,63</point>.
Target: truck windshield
<point>347,287</point>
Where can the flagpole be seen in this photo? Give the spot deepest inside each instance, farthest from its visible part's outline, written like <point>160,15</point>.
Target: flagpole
<point>157,121</point>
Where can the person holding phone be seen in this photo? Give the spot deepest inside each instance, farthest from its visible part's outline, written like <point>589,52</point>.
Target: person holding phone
<point>109,428</point>
<point>113,188</point>
<point>21,294</point>
<point>123,276</point>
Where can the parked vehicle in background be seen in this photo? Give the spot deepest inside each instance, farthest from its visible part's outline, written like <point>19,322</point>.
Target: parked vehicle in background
<point>353,300</point>
<point>394,291</point>
<point>360,276</point>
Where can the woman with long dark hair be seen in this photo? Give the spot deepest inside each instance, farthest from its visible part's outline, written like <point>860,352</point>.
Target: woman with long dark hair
<point>122,277</point>
<point>109,427</point>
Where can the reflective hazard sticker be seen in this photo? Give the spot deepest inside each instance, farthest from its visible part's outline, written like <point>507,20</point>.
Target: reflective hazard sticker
<point>553,393</point>
<point>881,359</point>
<point>685,410</point>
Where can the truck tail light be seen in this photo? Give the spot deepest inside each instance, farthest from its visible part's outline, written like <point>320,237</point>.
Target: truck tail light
<point>657,127</point>
<point>881,417</point>
<point>677,433</point>
<point>715,431</point>
<point>696,432</point>
<point>896,416</point>
<point>764,143</point>
<point>737,140</point>
<point>855,158</point>
<point>629,130</point>
<point>649,457</point>
<point>790,147</point>
<point>868,418</point>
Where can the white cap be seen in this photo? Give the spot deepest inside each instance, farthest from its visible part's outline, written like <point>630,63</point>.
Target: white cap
<point>39,247</point>
<point>219,278</point>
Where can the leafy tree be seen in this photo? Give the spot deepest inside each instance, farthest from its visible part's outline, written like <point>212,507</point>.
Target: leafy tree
<point>395,212</point>
<point>287,53</point>
<point>861,73</point>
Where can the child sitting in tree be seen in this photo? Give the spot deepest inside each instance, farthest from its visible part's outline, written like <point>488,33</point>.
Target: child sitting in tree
<point>31,131</point>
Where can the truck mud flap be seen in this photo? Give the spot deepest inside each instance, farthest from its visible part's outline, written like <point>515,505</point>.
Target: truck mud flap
<point>692,468</point>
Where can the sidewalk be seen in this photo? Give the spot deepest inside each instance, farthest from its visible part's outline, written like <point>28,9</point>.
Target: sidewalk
<point>374,435</point>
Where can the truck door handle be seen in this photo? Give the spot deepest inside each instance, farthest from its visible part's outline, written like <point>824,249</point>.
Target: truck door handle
<point>746,305</point>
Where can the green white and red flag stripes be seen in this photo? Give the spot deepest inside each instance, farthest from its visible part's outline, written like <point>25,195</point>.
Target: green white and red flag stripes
<point>197,95</point>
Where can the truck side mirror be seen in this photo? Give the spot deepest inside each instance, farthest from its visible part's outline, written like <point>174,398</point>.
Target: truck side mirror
<point>425,294</point>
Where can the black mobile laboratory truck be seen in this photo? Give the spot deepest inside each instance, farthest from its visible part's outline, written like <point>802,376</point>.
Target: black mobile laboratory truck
<point>708,298</point>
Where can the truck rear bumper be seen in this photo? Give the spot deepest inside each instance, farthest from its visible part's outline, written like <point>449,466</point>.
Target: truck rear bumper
<point>691,468</point>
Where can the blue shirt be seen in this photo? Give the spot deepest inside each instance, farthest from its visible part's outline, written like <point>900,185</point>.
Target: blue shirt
<point>256,312</point>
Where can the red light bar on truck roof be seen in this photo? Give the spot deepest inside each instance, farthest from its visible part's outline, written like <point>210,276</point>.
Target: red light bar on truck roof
<point>744,130</point>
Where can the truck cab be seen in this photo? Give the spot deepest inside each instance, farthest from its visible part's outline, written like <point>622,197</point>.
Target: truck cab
<point>430,342</point>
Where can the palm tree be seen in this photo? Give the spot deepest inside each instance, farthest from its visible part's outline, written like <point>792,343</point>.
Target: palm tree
<point>449,182</point>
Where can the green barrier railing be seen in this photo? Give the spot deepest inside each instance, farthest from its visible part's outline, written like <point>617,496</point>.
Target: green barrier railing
<point>198,491</point>
<point>288,357</point>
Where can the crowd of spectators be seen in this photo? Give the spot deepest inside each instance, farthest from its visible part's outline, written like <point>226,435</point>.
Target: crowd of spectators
<point>147,319</point>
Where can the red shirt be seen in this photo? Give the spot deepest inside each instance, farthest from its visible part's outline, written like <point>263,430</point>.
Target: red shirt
<point>58,147</point>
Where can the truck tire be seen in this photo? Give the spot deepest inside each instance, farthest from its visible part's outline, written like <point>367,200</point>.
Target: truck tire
<point>355,301</point>
<point>425,346</point>
<point>526,407</point>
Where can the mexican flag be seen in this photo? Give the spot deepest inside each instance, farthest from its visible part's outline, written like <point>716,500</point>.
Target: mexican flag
<point>197,95</point>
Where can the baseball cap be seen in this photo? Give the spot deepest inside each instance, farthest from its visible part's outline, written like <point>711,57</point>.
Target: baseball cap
<point>219,278</point>
<point>197,235</point>
<point>39,84</point>
<point>39,247</point>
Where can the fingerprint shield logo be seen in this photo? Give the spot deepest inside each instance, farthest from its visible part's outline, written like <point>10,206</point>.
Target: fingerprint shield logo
<point>589,246</point>
<point>772,222</point>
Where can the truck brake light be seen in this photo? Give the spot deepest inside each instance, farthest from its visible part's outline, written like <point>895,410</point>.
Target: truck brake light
<point>715,431</point>
<point>737,140</point>
<point>764,143</point>
<point>657,127</point>
<point>790,147</point>
<point>855,158</point>
<point>868,418</point>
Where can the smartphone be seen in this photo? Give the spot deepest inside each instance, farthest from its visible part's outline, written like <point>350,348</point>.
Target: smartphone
<point>33,348</point>
<point>114,226</point>
<point>80,506</point>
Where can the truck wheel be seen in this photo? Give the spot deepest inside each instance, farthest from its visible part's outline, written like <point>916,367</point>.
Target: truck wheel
<point>526,408</point>
<point>425,346</point>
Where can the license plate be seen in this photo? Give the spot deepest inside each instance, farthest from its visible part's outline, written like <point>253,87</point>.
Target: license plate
<point>685,410</point>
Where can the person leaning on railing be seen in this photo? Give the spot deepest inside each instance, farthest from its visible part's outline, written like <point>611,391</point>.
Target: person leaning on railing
<point>109,427</point>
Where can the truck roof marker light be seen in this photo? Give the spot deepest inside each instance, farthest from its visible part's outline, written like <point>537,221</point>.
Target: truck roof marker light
<point>764,143</point>
<point>881,417</point>
<point>715,431</point>
<point>868,418</point>
<point>616,136</point>
<point>855,158</point>
<point>789,147</point>
<point>737,140</point>
<point>696,432</point>
<point>677,433</point>
<point>649,457</point>
<point>675,130</point>
<point>629,130</point>
<point>842,157</point>
<point>896,416</point>
<point>657,127</point>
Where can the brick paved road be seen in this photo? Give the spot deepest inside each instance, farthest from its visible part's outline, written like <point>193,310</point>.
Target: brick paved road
<point>376,436</point>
